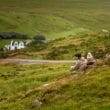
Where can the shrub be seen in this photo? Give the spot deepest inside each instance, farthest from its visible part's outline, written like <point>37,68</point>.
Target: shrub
<point>39,38</point>
<point>99,53</point>
<point>11,35</point>
<point>3,55</point>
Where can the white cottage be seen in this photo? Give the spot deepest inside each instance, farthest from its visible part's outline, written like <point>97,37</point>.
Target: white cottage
<point>14,45</point>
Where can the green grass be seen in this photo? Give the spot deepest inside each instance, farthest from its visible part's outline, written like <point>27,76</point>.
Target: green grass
<point>52,18</point>
<point>85,92</point>
<point>15,78</point>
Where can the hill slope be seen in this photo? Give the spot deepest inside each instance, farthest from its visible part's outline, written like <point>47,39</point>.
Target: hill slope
<point>53,18</point>
<point>22,84</point>
<point>64,48</point>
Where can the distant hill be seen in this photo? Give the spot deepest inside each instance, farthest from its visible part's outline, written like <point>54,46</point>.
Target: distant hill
<point>54,18</point>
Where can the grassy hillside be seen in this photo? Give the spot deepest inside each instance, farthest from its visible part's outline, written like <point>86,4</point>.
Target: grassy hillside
<point>64,48</point>
<point>74,25</point>
<point>53,18</point>
<point>21,84</point>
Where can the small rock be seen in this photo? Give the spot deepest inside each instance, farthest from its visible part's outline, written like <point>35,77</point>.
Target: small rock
<point>36,103</point>
<point>45,85</point>
<point>105,31</point>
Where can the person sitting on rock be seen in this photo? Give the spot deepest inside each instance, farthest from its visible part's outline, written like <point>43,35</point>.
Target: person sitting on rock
<point>90,59</point>
<point>80,64</point>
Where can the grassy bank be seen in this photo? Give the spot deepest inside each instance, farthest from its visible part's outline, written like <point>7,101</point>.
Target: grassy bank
<point>21,84</point>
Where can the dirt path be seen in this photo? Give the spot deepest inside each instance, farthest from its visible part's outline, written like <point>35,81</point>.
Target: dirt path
<point>35,61</point>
